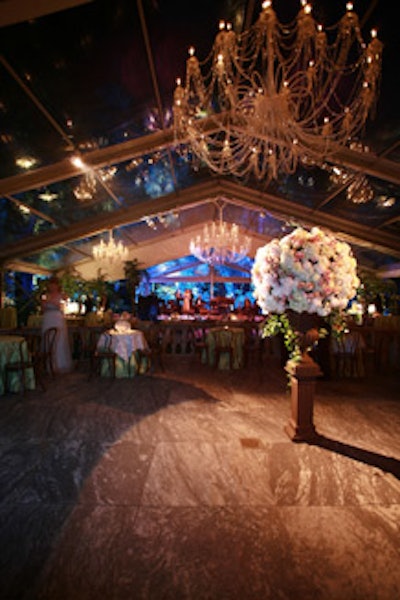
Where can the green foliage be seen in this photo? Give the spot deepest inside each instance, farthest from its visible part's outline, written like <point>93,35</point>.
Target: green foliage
<point>372,287</point>
<point>98,286</point>
<point>338,322</point>
<point>296,343</point>
<point>71,282</point>
<point>75,286</point>
<point>133,274</point>
<point>280,324</point>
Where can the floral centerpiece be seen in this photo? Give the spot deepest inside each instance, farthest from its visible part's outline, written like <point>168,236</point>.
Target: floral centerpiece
<point>306,271</point>
<point>122,322</point>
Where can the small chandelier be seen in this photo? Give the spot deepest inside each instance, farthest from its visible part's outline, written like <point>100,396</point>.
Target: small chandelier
<point>359,189</point>
<point>86,188</point>
<point>277,94</point>
<point>111,251</point>
<point>220,243</point>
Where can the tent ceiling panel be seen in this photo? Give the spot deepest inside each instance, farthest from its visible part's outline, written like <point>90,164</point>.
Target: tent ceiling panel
<point>96,79</point>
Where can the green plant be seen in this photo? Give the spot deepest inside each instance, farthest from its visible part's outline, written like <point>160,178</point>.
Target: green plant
<point>296,342</point>
<point>338,323</point>
<point>133,275</point>
<point>373,287</point>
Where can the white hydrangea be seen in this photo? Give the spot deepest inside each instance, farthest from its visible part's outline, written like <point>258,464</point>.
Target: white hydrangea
<point>304,271</point>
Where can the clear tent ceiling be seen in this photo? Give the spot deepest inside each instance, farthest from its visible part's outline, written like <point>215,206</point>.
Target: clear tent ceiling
<point>97,80</point>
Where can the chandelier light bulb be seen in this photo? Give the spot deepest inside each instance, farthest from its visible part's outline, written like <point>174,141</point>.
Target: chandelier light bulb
<point>253,92</point>
<point>77,162</point>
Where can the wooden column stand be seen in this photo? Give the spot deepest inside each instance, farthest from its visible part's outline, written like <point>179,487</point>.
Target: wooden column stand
<point>303,375</point>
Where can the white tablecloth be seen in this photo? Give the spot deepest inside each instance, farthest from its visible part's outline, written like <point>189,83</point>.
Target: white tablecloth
<point>125,344</point>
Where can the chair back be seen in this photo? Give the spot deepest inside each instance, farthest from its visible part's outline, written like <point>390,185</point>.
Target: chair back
<point>34,342</point>
<point>49,339</point>
<point>23,357</point>
<point>223,338</point>
<point>107,341</point>
<point>347,344</point>
<point>97,334</point>
<point>153,336</point>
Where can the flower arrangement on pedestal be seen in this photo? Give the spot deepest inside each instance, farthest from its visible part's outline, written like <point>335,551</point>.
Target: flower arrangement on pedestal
<point>306,271</point>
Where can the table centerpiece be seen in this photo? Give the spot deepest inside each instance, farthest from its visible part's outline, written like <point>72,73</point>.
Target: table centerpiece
<point>304,272</point>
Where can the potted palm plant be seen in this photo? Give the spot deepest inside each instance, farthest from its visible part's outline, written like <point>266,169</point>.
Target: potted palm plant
<point>133,276</point>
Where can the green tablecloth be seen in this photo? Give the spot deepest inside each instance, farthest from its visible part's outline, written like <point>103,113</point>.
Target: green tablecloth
<point>127,350</point>
<point>9,352</point>
<point>233,335</point>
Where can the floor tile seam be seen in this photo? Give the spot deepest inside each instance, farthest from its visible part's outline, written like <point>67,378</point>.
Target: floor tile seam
<point>246,505</point>
<point>227,506</point>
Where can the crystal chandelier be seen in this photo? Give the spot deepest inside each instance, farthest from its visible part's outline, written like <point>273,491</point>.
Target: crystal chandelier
<point>220,243</point>
<point>111,251</point>
<point>359,189</point>
<point>87,187</point>
<point>277,94</point>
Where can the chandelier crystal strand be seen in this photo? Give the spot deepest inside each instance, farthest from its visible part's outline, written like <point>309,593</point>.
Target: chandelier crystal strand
<point>111,251</point>
<point>220,243</point>
<point>277,94</point>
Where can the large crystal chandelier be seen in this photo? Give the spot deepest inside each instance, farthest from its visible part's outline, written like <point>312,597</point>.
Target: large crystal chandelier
<point>111,251</point>
<point>220,243</point>
<point>277,94</point>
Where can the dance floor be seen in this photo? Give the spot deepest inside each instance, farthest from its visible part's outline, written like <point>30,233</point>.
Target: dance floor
<point>182,484</point>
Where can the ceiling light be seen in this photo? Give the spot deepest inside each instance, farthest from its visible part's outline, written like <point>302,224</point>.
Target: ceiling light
<point>111,251</point>
<point>47,196</point>
<point>277,94</point>
<point>77,162</point>
<point>25,162</point>
<point>86,189</point>
<point>359,190</point>
<point>107,173</point>
<point>385,201</point>
<point>220,243</point>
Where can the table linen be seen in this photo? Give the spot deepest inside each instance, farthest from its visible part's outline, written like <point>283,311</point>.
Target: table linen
<point>9,352</point>
<point>127,347</point>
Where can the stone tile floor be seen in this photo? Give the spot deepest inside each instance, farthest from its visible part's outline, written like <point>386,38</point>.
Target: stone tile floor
<point>183,485</point>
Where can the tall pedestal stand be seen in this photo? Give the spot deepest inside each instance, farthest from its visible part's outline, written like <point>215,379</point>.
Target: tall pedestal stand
<point>303,375</point>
